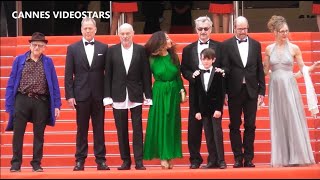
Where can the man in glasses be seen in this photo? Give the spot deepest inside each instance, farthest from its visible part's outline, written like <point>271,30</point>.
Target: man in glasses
<point>32,95</point>
<point>190,68</point>
<point>245,87</point>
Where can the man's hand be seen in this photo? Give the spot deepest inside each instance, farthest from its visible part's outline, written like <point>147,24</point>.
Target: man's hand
<point>260,102</point>
<point>195,74</point>
<point>198,116</point>
<point>217,114</point>
<point>56,113</point>
<point>226,100</point>
<point>219,70</point>
<point>147,102</point>
<point>72,103</point>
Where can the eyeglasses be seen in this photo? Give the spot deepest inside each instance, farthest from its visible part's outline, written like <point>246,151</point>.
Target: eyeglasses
<point>205,28</point>
<point>283,32</point>
<point>39,45</point>
<point>241,29</point>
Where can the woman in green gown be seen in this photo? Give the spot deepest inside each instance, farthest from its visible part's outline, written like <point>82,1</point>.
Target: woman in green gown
<point>163,133</point>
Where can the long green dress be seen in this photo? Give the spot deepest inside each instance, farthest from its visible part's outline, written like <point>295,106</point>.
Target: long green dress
<point>163,133</point>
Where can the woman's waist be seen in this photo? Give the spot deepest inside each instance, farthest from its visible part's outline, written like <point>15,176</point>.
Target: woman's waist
<point>284,67</point>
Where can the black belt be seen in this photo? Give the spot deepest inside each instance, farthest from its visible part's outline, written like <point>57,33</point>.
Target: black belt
<point>35,95</point>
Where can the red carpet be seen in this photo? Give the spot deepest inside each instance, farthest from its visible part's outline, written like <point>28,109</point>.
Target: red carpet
<point>260,172</point>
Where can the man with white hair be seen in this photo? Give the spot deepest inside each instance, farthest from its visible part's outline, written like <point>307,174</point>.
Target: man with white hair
<point>127,81</point>
<point>190,67</point>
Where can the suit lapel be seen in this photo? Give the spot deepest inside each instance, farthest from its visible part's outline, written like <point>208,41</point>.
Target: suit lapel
<point>134,54</point>
<point>84,58</point>
<point>121,58</point>
<point>202,82</point>
<point>236,50</point>
<point>96,46</point>
<point>249,50</point>
<point>195,55</point>
<point>210,79</point>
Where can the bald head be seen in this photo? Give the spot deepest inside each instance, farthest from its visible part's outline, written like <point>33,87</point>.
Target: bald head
<point>241,27</point>
<point>126,34</point>
<point>125,27</point>
<point>240,20</point>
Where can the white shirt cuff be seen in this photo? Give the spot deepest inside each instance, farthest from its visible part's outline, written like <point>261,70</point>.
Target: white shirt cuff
<point>107,101</point>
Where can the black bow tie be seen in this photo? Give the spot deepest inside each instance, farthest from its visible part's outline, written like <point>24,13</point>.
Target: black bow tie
<point>243,40</point>
<point>207,42</point>
<point>86,43</point>
<point>205,71</point>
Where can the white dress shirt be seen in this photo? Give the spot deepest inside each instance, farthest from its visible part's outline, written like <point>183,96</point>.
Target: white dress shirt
<point>244,50</point>
<point>206,77</point>
<point>200,48</point>
<point>89,50</point>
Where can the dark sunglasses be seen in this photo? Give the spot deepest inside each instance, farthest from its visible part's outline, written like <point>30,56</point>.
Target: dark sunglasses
<point>205,29</point>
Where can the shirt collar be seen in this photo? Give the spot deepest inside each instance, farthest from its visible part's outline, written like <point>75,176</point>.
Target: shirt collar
<point>84,40</point>
<point>203,42</point>
<point>246,38</point>
<point>29,57</point>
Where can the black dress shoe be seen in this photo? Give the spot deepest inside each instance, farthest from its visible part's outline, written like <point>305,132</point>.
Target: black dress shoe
<point>210,165</point>
<point>15,169</point>
<point>140,166</point>
<point>194,166</point>
<point>79,166</point>
<point>238,164</point>
<point>102,166</point>
<point>125,166</point>
<point>248,164</point>
<point>37,168</point>
<point>222,165</point>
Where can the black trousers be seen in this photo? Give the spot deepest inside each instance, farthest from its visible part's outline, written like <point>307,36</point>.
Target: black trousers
<point>237,105</point>
<point>33,110</point>
<point>121,119</point>
<point>214,135</point>
<point>93,109</point>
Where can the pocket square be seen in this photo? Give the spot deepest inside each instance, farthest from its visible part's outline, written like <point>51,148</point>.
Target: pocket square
<point>100,54</point>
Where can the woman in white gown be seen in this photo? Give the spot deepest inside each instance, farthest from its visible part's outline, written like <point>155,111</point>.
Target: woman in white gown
<point>290,141</point>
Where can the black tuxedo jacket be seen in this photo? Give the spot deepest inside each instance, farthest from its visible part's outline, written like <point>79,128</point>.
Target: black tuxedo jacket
<point>207,102</point>
<point>137,81</point>
<point>190,58</point>
<point>235,71</point>
<point>81,80</point>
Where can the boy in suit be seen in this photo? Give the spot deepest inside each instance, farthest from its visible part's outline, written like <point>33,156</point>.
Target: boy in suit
<point>208,105</point>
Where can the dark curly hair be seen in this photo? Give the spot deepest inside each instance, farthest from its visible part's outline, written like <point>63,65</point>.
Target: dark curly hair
<point>157,42</point>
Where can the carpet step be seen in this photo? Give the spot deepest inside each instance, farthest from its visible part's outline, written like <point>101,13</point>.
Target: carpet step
<point>262,124</point>
<point>115,160</point>
<point>113,148</point>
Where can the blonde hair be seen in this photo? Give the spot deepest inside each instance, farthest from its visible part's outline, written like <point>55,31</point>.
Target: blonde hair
<point>275,23</point>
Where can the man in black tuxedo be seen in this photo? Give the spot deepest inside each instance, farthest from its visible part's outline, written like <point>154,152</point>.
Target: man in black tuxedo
<point>245,86</point>
<point>84,75</point>
<point>127,81</point>
<point>190,65</point>
<point>208,105</point>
